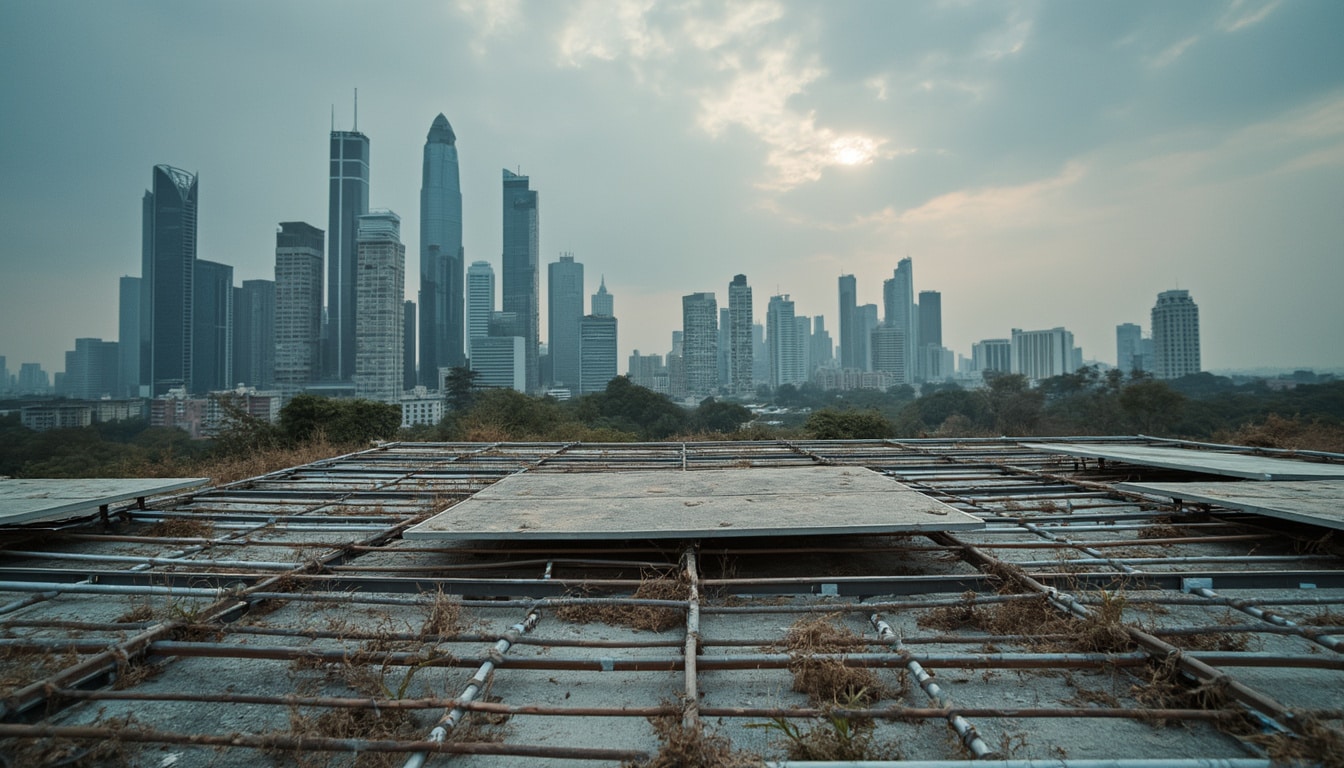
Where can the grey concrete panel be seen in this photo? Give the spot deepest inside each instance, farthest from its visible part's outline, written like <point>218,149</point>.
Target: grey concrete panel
<point>718,503</point>
<point>32,499</point>
<point>1316,502</point>
<point>1208,462</point>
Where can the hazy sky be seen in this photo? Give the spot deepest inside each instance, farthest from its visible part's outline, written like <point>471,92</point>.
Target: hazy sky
<point>1043,164</point>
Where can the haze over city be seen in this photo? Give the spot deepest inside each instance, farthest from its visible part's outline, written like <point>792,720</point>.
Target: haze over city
<point>1043,164</point>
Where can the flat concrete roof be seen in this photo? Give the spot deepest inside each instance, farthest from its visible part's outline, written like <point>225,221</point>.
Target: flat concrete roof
<point>1316,502</point>
<point>1208,462</point>
<point>719,503</point>
<point>26,500</point>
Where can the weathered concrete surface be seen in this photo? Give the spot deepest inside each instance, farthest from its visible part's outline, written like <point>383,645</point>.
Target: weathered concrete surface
<point>1316,502</point>
<point>1208,462</point>
<point>701,504</point>
<point>26,500</point>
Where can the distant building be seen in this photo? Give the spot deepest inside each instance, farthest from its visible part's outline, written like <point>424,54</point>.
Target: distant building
<point>992,355</point>
<point>564,313</point>
<point>597,350</point>
<point>33,380</point>
<point>128,339</point>
<point>420,407</point>
<point>700,341</point>
<point>91,370</point>
<point>521,255</point>
<point>1043,354</point>
<point>804,340</point>
<point>899,311</point>
<point>760,356</point>
<point>298,304</point>
<point>348,200</point>
<point>41,418</point>
<point>866,322</point>
<point>408,318</point>
<point>379,290</point>
<point>853,378</point>
<point>781,338</point>
<point>168,274</point>
<point>500,361</point>
<point>852,342</point>
<point>647,371</point>
<point>1175,335</point>
<point>254,333</point>
<point>930,365</point>
<point>888,352</point>
<point>822,353</point>
<point>212,328</point>
<point>480,299</point>
<point>442,309</point>
<point>603,303</point>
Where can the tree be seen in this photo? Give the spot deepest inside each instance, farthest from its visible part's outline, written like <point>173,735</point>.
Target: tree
<point>836,424</point>
<point>307,417</point>
<point>459,387</point>
<point>1015,406</point>
<point>718,416</point>
<point>1151,404</point>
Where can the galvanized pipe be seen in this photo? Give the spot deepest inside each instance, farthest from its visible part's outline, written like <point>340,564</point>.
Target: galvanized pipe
<point>148,561</point>
<point>961,725</point>
<point>1329,641</point>
<point>690,717</point>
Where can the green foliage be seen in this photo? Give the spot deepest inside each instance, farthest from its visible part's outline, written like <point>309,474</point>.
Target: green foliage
<point>102,450</point>
<point>717,416</point>
<point>627,407</point>
<point>459,388</point>
<point>837,424</point>
<point>307,416</point>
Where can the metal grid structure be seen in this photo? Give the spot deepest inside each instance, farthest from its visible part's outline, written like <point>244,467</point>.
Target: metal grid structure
<point>285,618</point>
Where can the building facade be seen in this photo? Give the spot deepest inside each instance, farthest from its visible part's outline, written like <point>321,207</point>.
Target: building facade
<point>128,339</point>
<point>480,299</point>
<point>781,338</point>
<point>603,303</point>
<point>168,272</point>
<point>91,370</point>
<point>1175,321</point>
<point>442,290</point>
<point>851,342</point>
<point>348,200</point>
<point>379,289</point>
<point>700,343</point>
<point>564,314</point>
<point>888,351</point>
<point>992,355</point>
<point>298,304</point>
<point>741,357</point>
<point>1128,346</point>
<point>254,333</point>
<point>1042,354</point>
<point>500,361</point>
<point>212,328</point>
<point>521,253</point>
<point>900,311</point>
<point>597,350</point>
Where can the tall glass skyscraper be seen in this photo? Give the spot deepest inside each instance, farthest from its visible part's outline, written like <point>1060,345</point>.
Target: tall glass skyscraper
<point>521,267</point>
<point>379,293</point>
<point>349,199</point>
<point>564,311</point>
<point>212,328</point>
<point>168,278</point>
<point>740,358</point>
<point>480,299</point>
<point>298,303</point>
<point>851,339</point>
<point>441,255</point>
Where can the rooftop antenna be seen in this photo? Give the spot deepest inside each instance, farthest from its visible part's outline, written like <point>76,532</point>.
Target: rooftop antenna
<point>356,128</point>
<point>333,118</point>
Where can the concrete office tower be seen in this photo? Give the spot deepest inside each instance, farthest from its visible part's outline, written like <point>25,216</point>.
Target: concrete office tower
<point>91,370</point>
<point>1042,354</point>
<point>865,323</point>
<point>804,338</point>
<point>408,379</point>
<point>603,303</point>
<point>480,299</point>
<point>929,328</point>
<point>741,359</point>
<point>499,361</point>
<point>851,339</point>
<point>521,267</point>
<point>1128,347</point>
<point>781,337</point>
<point>992,355</point>
<point>888,351</point>
<point>700,342</point>
<point>564,311</point>
<point>1175,335</point>
<point>597,349</point>
<point>348,200</point>
<point>380,288</point>
<point>899,309</point>
<point>168,272</point>
<point>254,334</point>
<point>725,351</point>
<point>128,340</point>
<point>760,356</point>
<point>442,312</point>
<point>822,353</point>
<point>5,384</point>
<point>298,304</point>
<point>212,328</point>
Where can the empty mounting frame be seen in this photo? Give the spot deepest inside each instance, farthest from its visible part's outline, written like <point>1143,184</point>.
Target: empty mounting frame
<point>1316,502</point>
<point>29,500</point>
<point>720,503</point>
<point>1208,462</point>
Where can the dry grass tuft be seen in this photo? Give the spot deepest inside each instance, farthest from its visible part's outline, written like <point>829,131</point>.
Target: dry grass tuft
<point>684,747</point>
<point>1293,434</point>
<point>139,612</point>
<point>75,753</point>
<point>1167,688</point>
<point>19,667</point>
<point>1103,632</point>
<point>1316,744</point>
<point>1161,530</point>
<point>1325,618</point>
<point>646,617</point>
<point>182,528</point>
<point>348,723</point>
<point>829,681</point>
<point>445,615</point>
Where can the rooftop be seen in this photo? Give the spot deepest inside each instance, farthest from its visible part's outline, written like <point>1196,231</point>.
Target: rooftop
<point>1066,607</point>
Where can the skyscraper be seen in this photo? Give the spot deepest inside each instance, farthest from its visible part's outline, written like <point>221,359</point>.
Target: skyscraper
<point>700,342</point>
<point>91,369</point>
<point>851,340</point>
<point>740,358</point>
<point>254,333</point>
<point>480,299</point>
<point>781,337</point>
<point>128,339</point>
<point>1042,354</point>
<point>564,312</point>
<point>212,328</point>
<point>888,351</point>
<point>168,279</point>
<point>441,255</point>
<point>898,298</point>
<point>603,302</point>
<point>1128,346</point>
<point>865,323</point>
<point>929,335</point>
<point>1175,335</point>
<point>298,303</point>
<point>379,292</point>
<point>408,379</point>
<point>521,267</point>
<point>597,350</point>
<point>349,199</point>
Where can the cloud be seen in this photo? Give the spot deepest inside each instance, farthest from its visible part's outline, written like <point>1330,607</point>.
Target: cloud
<point>605,30</point>
<point>1172,53</point>
<point>1005,207</point>
<point>740,21</point>
<point>491,17</point>
<point>1245,13</point>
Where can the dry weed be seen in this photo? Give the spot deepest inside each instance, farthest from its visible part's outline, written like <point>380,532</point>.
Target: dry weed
<point>1316,744</point>
<point>830,681</point>
<point>647,617</point>
<point>683,747</point>
<point>1167,688</point>
<point>1325,618</point>
<point>75,753</point>
<point>349,723</point>
<point>445,615</point>
<point>139,612</point>
<point>1161,531</point>
<point>20,667</point>
<point>1102,632</point>
<point>182,528</point>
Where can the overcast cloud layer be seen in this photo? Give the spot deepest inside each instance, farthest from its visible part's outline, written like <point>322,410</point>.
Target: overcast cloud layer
<point>1043,164</point>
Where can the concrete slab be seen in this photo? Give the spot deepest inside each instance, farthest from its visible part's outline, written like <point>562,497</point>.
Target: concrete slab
<point>32,499</point>
<point>1208,462</point>
<point>1316,502</point>
<point>720,503</point>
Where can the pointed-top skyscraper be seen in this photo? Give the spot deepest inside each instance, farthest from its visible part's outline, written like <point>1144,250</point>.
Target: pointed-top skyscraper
<point>349,199</point>
<point>442,289</point>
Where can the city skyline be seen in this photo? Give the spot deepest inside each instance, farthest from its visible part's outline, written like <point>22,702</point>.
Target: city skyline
<point>1072,203</point>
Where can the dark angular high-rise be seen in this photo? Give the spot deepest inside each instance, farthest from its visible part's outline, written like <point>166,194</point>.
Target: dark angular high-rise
<point>442,302</point>
<point>128,339</point>
<point>851,336</point>
<point>298,303</point>
<point>521,267</point>
<point>254,333</point>
<point>564,311</point>
<point>212,328</point>
<point>168,279</point>
<point>348,200</point>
